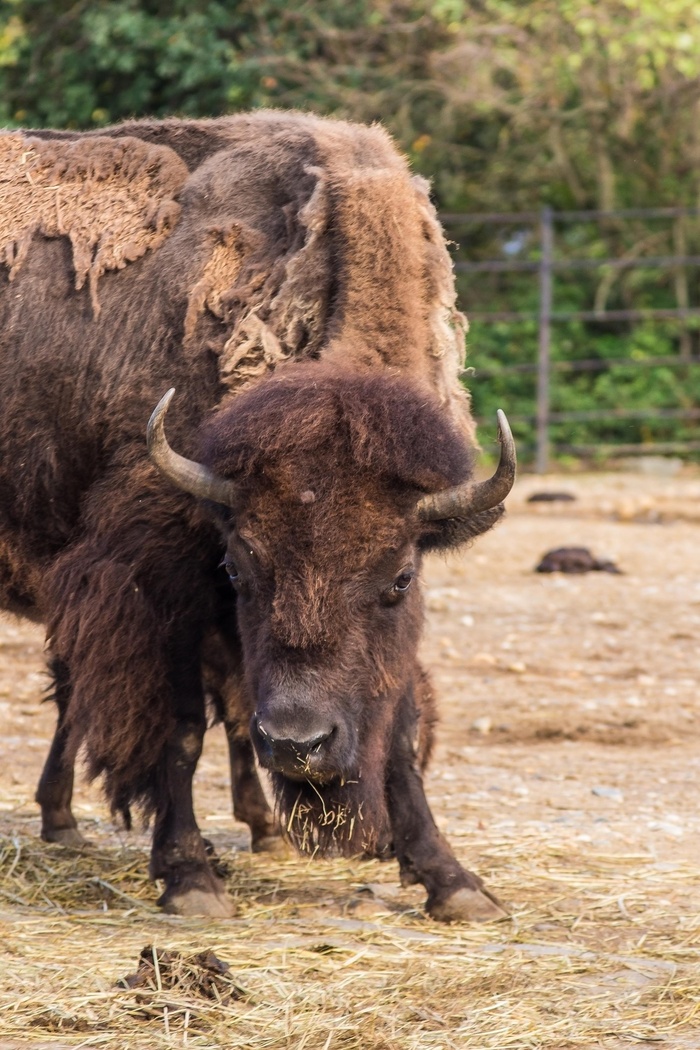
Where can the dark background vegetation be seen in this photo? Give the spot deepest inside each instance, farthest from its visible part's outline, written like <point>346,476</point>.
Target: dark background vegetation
<point>505,105</point>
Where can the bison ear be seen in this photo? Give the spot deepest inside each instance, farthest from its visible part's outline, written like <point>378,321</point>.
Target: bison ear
<point>454,532</point>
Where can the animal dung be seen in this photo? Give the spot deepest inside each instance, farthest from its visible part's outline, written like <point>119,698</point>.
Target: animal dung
<point>575,560</point>
<point>551,497</point>
<point>201,974</point>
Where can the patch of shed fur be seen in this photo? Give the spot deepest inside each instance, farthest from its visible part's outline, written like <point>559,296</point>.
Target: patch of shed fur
<point>113,199</point>
<point>219,274</point>
<point>282,311</point>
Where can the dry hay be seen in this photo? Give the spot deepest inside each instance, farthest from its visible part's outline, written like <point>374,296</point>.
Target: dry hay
<point>603,951</point>
<point>113,199</point>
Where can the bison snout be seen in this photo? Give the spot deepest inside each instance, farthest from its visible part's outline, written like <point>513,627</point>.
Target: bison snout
<point>299,756</point>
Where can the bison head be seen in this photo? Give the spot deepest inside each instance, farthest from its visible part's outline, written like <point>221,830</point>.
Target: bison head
<point>330,485</point>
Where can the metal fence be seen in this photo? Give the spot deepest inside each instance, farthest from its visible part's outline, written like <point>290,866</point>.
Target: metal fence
<point>545,267</point>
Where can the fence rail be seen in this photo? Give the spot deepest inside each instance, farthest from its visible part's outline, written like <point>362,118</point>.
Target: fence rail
<point>593,364</point>
<point>545,267</point>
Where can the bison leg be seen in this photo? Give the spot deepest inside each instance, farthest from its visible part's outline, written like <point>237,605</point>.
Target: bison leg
<point>222,660</point>
<point>249,803</point>
<point>424,855</point>
<point>55,791</point>
<point>178,855</point>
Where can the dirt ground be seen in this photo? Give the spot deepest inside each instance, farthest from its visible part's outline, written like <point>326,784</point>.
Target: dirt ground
<point>567,775</point>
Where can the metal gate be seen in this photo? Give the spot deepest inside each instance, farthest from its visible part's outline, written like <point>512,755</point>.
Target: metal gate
<point>545,224</point>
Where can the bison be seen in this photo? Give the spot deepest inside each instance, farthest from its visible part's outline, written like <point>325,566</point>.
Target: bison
<point>289,279</point>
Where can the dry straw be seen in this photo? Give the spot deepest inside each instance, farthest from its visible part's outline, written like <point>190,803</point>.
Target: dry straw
<point>602,951</point>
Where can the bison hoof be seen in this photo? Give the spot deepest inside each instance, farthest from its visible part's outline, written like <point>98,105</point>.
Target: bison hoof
<point>468,905</point>
<point>196,901</point>
<point>271,844</point>
<point>65,837</point>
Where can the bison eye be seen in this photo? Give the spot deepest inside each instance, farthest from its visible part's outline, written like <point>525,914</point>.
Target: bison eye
<point>403,582</point>
<point>232,571</point>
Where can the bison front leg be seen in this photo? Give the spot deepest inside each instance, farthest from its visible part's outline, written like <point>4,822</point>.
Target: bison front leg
<point>178,855</point>
<point>222,660</point>
<point>55,791</point>
<point>424,855</point>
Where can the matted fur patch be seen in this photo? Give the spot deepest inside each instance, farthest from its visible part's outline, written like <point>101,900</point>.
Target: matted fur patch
<point>113,198</point>
<point>218,277</point>
<point>292,324</point>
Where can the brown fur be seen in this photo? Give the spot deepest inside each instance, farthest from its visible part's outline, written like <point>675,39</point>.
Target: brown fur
<point>220,272</point>
<point>350,218</point>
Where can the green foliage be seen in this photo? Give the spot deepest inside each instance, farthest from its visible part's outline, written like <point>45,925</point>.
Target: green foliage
<point>505,104</point>
<point>619,371</point>
<point>91,62</point>
<point>620,381</point>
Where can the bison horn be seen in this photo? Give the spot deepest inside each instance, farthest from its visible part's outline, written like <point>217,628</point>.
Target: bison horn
<point>189,476</point>
<point>469,498</point>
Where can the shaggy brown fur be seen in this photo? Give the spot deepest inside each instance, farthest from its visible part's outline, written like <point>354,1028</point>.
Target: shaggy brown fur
<point>347,215</point>
<point>274,239</point>
<point>352,243</point>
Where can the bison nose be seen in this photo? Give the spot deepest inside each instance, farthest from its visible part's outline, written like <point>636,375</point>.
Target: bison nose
<point>292,755</point>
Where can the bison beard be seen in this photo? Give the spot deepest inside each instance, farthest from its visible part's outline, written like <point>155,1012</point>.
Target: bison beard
<point>290,278</point>
<point>348,818</point>
<point>352,817</point>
